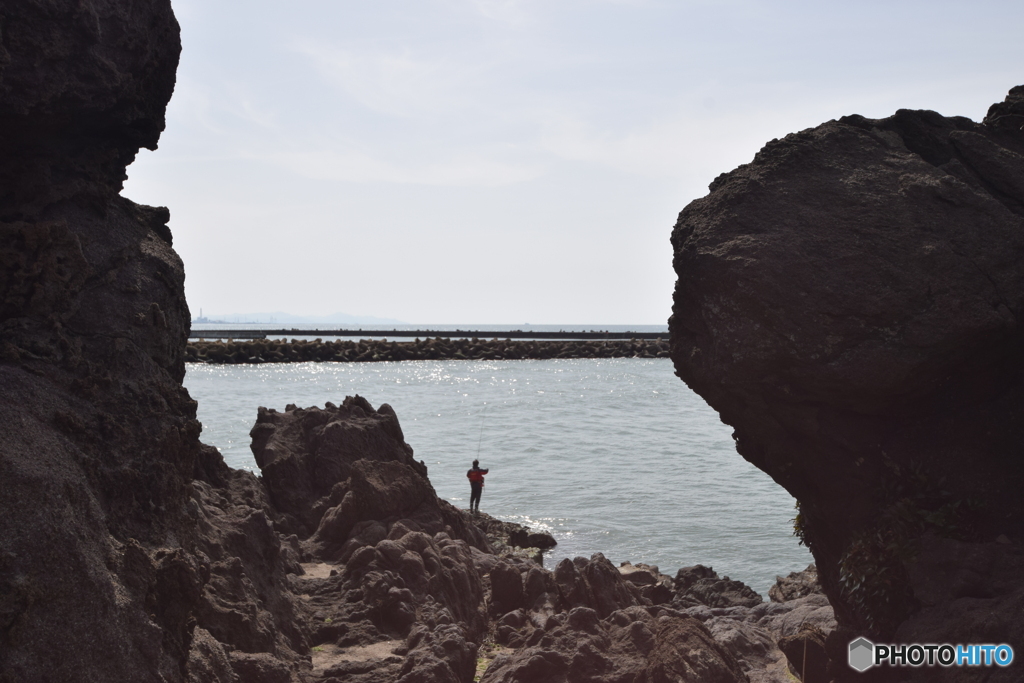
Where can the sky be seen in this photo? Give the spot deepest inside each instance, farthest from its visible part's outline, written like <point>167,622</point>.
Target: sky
<point>511,161</point>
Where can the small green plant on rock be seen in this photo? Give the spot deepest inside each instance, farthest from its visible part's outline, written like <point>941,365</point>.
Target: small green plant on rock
<point>874,582</point>
<point>872,571</point>
<point>487,652</point>
<point>800,526</point>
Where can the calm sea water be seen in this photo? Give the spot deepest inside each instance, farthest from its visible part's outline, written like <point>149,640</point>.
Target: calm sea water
<point>609,455</point>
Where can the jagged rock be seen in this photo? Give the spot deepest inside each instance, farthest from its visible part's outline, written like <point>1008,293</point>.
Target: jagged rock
<point>247,603</point>
<point>405,582</point>
<point>700,585</point>
<point>850,302</point>
<point>795,585</point>
<point>510,539</point>
<point>595,584</point>
<point>752,634</point>
<point>645,644</point>
<point>82,88</point>
<point>259,668</point>
<point>337,472</point>
<point>440,654</point>
<point>506,588</point>
<point>304,453</point>
<point>208,662</point>
<point>653,585</point>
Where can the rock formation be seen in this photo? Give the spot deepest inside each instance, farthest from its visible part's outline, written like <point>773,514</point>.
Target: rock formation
<point>97,576</point>
<point>341,563</point>
<point>592,628</point>
<point>850,302</point>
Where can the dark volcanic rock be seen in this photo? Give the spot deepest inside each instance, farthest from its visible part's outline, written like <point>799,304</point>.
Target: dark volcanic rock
<point>700,585</point>
<point>654,586</point>
<point>795,585</point>
<point>506,537</point>
<point>850,302</point>
<point>334,472</point>
<point>304,453</point>
<point>97,576</point>
<point>757,636</point>
<point>637,644</point>
<point>247,604</point>
<point>595,584</point>
<point>82,88</point>
<point>969,593</point>
<point>385,559</point>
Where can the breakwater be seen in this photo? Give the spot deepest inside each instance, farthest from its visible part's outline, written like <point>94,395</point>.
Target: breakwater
<point>242,333</point>
<point>371,350</point>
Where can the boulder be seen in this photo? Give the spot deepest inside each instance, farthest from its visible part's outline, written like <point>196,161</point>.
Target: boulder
<point>304,452</point>
<point>506,588</point>
<point>595,584</point>
<point>639,574</point>
<point>850,303</point>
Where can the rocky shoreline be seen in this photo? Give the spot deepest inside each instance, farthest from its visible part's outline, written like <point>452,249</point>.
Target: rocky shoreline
<point>370,350</point>
<point>340,563</point>
<point>851,302</point>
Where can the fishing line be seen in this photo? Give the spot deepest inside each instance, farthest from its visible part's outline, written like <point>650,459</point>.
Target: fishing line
<point>481,439</point>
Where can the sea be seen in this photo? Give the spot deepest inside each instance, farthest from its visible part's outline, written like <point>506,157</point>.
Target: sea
<point>616,456</point>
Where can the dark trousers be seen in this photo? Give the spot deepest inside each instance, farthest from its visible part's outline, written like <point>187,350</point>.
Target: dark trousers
<point>476,488</point>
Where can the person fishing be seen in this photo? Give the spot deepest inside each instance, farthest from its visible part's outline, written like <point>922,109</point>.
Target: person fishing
<point>476,485</point>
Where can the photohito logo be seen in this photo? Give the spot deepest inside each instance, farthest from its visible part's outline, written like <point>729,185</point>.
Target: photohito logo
<point>864,654</point>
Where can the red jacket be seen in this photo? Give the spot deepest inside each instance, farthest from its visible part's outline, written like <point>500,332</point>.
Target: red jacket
<point>476,475</point>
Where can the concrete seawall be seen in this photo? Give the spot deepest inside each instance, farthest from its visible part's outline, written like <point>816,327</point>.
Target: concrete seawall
<point>298,351</point>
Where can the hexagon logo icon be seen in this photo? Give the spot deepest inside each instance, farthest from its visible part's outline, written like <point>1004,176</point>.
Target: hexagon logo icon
<point>862,654</point>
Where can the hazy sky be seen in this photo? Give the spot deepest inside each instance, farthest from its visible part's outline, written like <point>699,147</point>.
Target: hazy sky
<point>488,161</point>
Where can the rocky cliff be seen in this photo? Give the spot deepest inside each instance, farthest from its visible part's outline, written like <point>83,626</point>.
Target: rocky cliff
<point>97,578</point>
<point>850,302</point>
